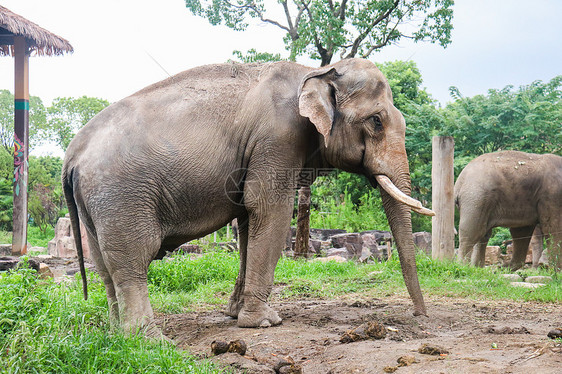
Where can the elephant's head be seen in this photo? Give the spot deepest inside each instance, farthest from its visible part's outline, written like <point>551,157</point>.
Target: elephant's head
<point>350,104</point>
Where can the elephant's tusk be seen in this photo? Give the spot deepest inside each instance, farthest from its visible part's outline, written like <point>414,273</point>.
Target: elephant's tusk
<point>395,192</point>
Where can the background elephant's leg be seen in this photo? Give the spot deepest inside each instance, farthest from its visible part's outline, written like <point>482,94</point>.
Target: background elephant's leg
<point>521,238</point>
<point>267,233</point>
<point>537,246</point>
<point>553,233</point>
<point>472,230</point>
<point>479,250</point>
<point>236,300</point>
<point>107,281</point>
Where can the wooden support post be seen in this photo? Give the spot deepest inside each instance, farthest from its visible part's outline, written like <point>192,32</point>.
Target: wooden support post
<point>303,223</point>
<point>21,145</point>
<point>443,182</point>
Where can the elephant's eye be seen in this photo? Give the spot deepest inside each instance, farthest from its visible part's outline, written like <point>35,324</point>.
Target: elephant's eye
<point>376,121</point>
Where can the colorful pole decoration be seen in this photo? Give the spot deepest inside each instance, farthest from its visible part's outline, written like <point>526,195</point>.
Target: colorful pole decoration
<point>21,145</point>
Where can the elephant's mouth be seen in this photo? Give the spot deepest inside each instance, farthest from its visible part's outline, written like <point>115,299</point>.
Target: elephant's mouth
<point>398,195</point>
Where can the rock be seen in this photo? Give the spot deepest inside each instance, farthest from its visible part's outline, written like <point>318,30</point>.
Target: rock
<point>331,258</point>
<point>45,271</point>
<point>44,257</point>
<point>352,242</point>
<point>527,285</point>
<point>63,243</point>
<point>314,245</point>
<point>34,251</point>
<point>380,236</point>
<point>324,234</point>
<point>390,369</point>
<point>13,262</point>
<point>422,240</point>
<point>538,279</point>
<point>8,262</point>
<point>366,255</point>
<point>512,277</point>
<point>370,243</point>
<point>492,256</point>
<point>5,249</point>
<point>429,349</point>
<point>369,330</point>
<point>342,252</point>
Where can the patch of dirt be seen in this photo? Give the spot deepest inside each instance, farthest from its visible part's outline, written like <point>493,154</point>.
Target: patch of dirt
<point>480,337</point>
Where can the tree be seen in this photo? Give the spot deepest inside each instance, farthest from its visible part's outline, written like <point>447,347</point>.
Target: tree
<point>37,120</point>
<point>528,119</point>
<point>67,115</point>
<point>352,28</point>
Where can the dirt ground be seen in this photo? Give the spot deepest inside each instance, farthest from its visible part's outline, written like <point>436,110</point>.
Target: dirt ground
<point>480,337</point>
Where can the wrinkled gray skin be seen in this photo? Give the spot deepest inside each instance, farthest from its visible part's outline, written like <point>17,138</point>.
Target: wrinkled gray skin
<point>510,189</point>
<point>150,172</point>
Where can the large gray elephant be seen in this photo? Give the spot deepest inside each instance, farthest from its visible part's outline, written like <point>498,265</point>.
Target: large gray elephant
<point>510,189</point>
<point>183,157</point>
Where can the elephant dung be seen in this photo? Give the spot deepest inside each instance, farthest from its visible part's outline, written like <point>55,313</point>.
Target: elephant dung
<point>428,349</point>
<point>237,346</point>
<point>369,330</point>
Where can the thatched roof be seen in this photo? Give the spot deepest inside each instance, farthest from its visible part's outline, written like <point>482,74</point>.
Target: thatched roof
<point>39,40</point>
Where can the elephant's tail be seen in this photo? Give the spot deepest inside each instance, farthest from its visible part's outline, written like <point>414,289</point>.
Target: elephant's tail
<point>67,185</point>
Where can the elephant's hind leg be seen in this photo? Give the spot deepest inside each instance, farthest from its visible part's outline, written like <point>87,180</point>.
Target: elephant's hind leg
<point>521,238</point>
<point>127,257</point>
<point>479,250</point>
<point>236,299</point>
<point>107,281</point>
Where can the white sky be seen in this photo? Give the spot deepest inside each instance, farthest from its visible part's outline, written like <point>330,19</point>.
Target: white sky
<point>116,43</point>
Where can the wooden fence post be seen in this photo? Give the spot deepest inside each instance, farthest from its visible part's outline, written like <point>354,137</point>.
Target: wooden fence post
<point>443,182</point>
<point>303,223</point>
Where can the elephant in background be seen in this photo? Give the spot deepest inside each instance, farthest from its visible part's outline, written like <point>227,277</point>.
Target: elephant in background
<point>183,157</point>
<point>510,189</point>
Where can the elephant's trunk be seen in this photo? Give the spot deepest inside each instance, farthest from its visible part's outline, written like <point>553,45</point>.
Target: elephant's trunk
<point>399,218</point>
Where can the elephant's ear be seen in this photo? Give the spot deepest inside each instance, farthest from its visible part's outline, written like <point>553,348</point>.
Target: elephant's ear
<point>316,100</point>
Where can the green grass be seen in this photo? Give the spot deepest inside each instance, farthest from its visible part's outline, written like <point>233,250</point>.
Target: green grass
<point>35,237</point>
<point>49,328</point>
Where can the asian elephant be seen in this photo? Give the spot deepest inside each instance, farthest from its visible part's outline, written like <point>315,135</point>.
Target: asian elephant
<point>510,189</point>
<point>183,157</point>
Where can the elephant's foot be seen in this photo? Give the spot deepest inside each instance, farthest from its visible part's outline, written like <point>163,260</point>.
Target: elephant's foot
<point>258,315</point>
<point>234,307</point>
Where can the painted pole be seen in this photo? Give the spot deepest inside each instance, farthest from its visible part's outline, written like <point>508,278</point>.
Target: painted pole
<point>443,183</point>
<point>21,145</point>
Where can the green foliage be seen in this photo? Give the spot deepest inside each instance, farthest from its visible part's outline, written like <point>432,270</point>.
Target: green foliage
<point>322,28</point>
<point>527,119</point>
<point>254,56</point>
<point>67,115</point>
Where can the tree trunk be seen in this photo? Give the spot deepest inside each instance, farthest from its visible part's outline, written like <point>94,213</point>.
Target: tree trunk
<point>303,223</point>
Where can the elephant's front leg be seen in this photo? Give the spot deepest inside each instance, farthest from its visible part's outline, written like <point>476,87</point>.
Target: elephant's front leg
<point>268,223</point>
